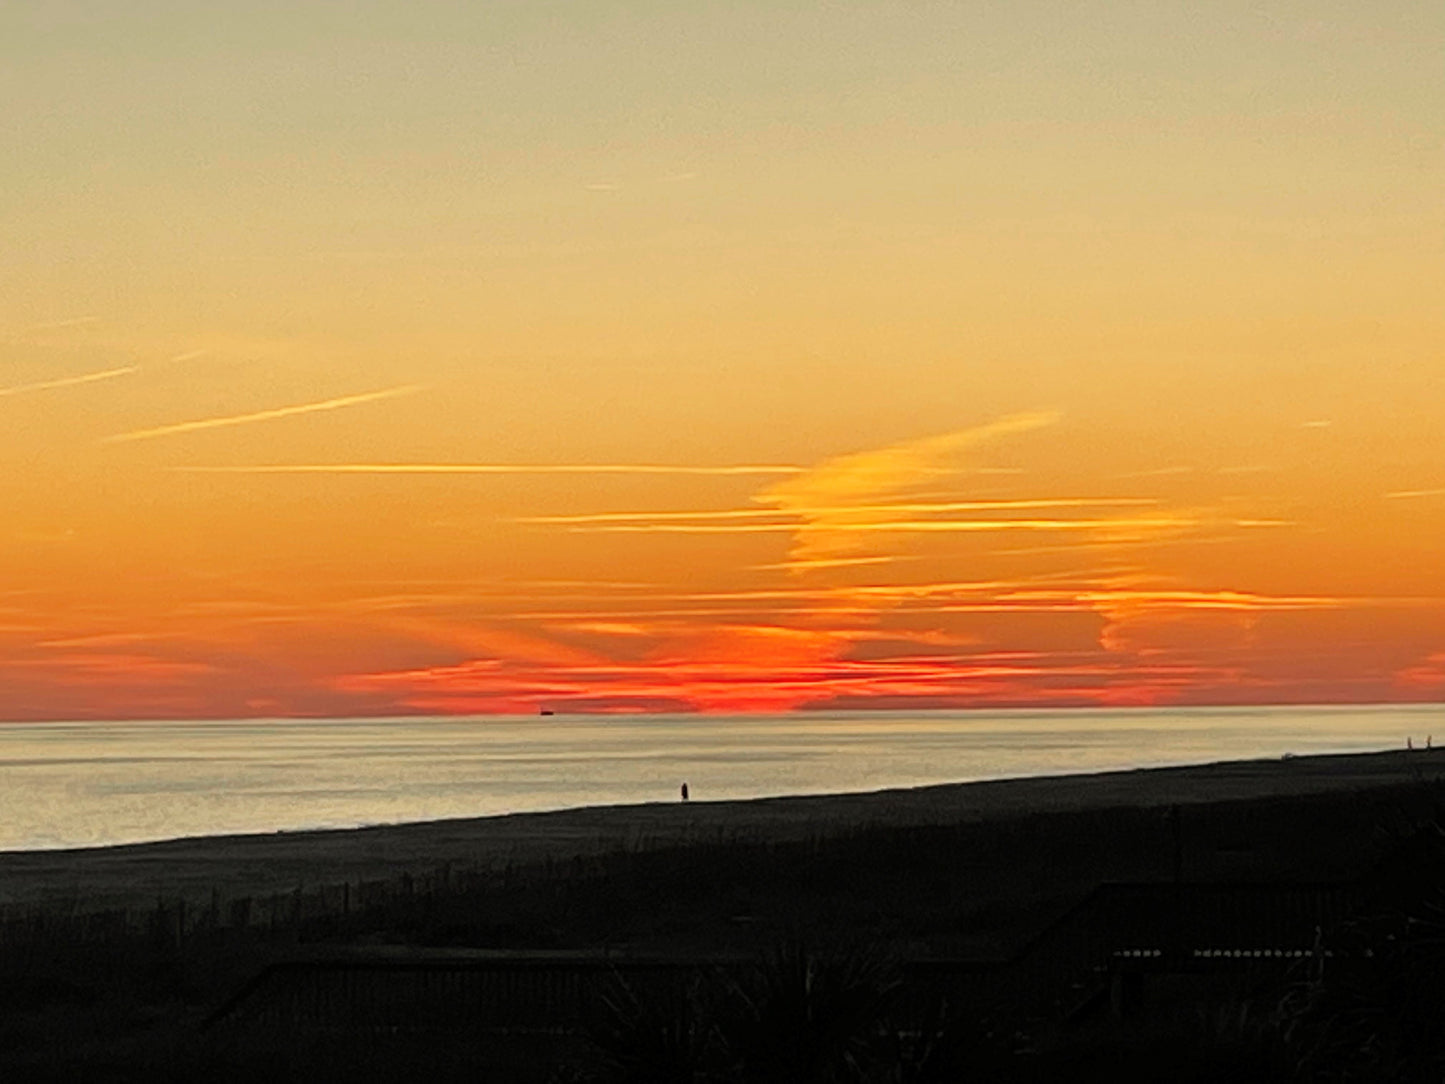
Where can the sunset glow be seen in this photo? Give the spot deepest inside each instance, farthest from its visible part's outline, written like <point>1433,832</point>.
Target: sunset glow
<point>467,358</point>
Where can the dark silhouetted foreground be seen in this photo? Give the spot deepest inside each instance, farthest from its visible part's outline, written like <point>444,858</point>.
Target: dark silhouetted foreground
<point>1268,937</point>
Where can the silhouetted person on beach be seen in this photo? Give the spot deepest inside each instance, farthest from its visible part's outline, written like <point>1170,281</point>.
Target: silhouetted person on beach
<point>684,792</point>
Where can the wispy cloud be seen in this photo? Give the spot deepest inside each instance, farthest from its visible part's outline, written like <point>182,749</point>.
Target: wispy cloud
<point>266,415</point>
<point>498,468</point>
<point>1184,600</point>
<point>1428,673</point>
<point>773,668</point>
<point>825,562</point>
<point>189,355</point>
<point>102,639</point>
<point>870,511</point>
<point>1158,472</point>
<point>870,603</point>
<point>1408,494</point>
<point>61,325</point>
<point>914,526</point>
<point>70,381</point>
<point>93,377</point>
<point>845,484</point>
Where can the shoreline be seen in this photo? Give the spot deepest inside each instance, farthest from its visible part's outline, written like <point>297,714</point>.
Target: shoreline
<point>94,785</point>
<point>195,867</point>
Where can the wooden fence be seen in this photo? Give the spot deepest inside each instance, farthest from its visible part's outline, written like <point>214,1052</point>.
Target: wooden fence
<point>317,911</point>
<point>1160,927</point>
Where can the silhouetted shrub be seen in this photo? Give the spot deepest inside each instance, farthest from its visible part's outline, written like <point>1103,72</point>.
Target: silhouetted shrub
<point>657,1036</point>
<point>1373,1005</point>
<point>812,1017</point>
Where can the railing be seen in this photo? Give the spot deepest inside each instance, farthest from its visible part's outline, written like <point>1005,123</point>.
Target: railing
<point>1151,926</point>
<point>507,993</point>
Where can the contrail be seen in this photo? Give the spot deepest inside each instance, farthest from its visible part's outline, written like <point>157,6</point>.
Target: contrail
<point>492,468</point>
<point>59,325</point>
<point>70,381</point>
<point>265,415</point>
<point>843,510</point>
<point>189,355</point>
<point>930,526</point>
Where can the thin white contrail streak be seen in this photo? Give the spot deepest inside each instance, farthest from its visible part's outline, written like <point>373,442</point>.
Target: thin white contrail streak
<point>494,468</point>
<point>265,415</point>
<point>900,526</point>
<point>189,355</point>
<point>60,325</point>
<point>844,510</point>
<point>70,381</point>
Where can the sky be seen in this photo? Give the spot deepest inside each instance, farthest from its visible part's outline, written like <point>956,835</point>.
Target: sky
<point>388,358</point>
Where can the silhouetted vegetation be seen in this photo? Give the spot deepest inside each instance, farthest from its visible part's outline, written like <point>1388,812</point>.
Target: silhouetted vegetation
<point>823,946</point>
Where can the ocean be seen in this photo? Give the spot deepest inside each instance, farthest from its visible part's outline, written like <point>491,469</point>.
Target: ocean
<point>88,784</point>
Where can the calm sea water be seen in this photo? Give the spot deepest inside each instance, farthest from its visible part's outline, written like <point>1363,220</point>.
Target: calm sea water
<point>83,784</point>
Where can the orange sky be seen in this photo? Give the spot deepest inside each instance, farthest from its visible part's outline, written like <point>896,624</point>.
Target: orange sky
<point>446,357</point>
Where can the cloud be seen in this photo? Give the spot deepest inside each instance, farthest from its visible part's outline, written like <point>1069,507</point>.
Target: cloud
<point>1409,494</point>
<point>496,468</point>
<point>1144,620</point>
<point>1427,673</point>
<point>102,639</point>
<point>90,378</point>
<point>824,562</point>
<point>752,514</point>
<point>837,500</point>
<point>188,355</point>
<point>910,526</point>
<point>265,415</point>
<point>113,668</point>
<point>70,381</point>
<point>1158,472</point>
<point>760,667</point>
<point>608,628</point>
<point>1126,598</point>
<point>864,599</point>
<point>932,599</point>
<point>61,325</point>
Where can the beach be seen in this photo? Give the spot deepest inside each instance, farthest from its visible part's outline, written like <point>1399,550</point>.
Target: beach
<point>105,783</point>
<point>115,957</point>
<point>199,868</point>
